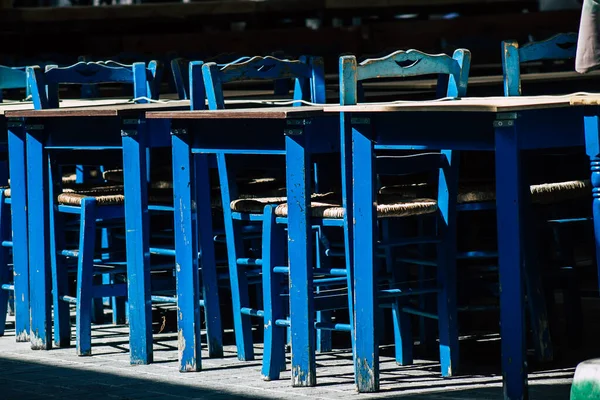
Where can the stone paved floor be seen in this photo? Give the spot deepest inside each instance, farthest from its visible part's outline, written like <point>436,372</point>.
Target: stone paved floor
<point>27,374</point>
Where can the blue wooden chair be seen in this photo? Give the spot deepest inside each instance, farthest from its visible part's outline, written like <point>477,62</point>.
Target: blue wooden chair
<point>181,78</point>
<point>555,194</point>
<point>243,225</point>
<point>393,211</point>
<point>87,205</point>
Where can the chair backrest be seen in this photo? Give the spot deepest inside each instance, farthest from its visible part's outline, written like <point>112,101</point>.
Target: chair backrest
<point>402,64</point>
<point>12,78</point>
<point>180,68</point>
<point>307,72</point>
<point>559,47</point>
<point>44,84</point>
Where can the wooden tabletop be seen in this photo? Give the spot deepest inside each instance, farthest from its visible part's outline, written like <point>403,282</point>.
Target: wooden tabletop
<point>109,110</point>
<point>241,113</point>
<point>474,104</point>
<point>14,106</point>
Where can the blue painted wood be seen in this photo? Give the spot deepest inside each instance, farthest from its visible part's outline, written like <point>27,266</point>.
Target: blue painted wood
<point>85,270</point>
<point>322,261</point>
<point>60,279</point>
<point>509,199</point>
<point>397,64</point>
<point>275,336</point>
<point>265,68</point>
<point>44,84</point>
<point>446,265</point>
<point>309,85</point>
<point>268,67</point>
<point>180,77</point>
<point>183,72</point>
<point>5,270</point>
<point>39,240</point>
<point>238,279</point>
<point>403,338</point>
<point>196,87</point>
<point>186,259</point>
<point>210,284</point>
<point>348,95</point>
<point>137,239</point>
<point>19,214</point>
<point>12,78</point>
<point>558,47</point>
<point>302,312</point>
<point>366,358</point>
<point>592,145</point>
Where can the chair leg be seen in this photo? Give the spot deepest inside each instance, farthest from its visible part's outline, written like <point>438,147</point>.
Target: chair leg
<point>98,303</point>
<point>85,271</point>
<point>5,272</point>
<point>239,283</point>
<point>273,254</point>
<point>209,282</point>
<point>119,308</point>
<point>323,336</point>
<point>402,325</point>
<point>427,326</point>
<point>60,279</point>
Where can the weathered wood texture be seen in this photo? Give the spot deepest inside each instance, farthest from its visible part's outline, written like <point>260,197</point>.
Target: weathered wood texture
<point>475,104</point>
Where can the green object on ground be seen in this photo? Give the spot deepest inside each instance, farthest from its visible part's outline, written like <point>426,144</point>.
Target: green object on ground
<point>586,382</point>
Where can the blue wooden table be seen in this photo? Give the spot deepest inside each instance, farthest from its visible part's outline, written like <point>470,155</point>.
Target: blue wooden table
<point>293,132</point>
<point>507,126</point>
<point>86,135</point>
<point>19,222</point>
<point>16,146</point>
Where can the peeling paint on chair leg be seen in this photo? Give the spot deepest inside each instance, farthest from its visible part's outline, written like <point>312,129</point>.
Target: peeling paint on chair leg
<point>38,342</point>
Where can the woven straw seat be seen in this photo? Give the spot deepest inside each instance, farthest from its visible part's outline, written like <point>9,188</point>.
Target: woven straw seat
<point>108,195</point>
<point>164,181</point>
<point>255,205</point>
<point>69,179</point>
<point>389,206</point>
<point>546,193</point>
<point>116,176</point>
<point>104,195</point>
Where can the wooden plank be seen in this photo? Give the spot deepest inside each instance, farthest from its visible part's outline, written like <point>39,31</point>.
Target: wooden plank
<point>111,110</point>
<point>248,113</point>
<point>470,104</point>
<point>27,105</point>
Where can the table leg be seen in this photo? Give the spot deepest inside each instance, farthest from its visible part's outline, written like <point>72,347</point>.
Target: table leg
<point>509,201</point>
<point>137,242</point>
<point>39,239</point>
<point>18,166</point>
<point>592,144</point>
<point>186,255</point>
<point>366,358</point>
<point>446,272</point>
<point>302,313</point>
